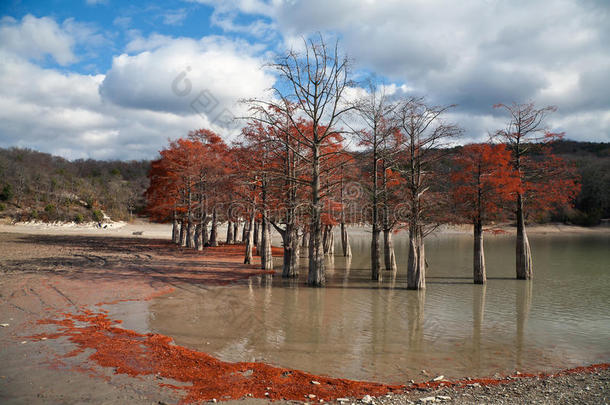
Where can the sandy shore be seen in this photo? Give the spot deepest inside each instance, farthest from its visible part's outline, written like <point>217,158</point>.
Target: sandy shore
<point>148,230</point>
<point>79,355</point>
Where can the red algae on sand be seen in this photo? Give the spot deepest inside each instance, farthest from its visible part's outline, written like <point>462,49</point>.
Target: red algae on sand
<point>135,354</point>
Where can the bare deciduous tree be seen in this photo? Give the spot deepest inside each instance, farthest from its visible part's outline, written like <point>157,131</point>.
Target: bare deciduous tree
<point>424,135</point>
<point>311,85</point>
<point>374,110</point>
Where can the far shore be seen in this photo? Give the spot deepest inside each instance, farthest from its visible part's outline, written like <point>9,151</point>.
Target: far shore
<point>142,228</point>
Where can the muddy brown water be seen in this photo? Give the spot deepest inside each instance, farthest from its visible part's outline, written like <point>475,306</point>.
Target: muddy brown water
<point>359,329</point>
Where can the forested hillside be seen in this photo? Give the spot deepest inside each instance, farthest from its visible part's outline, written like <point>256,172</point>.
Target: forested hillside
<point>39,186</point>
<point>593,162</point>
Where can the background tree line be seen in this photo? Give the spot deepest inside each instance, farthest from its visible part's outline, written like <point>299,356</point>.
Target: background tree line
<point>39,186</point>
<point>31,180</point>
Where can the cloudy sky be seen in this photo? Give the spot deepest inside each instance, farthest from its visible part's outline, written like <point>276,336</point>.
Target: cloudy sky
<point>113,79</point>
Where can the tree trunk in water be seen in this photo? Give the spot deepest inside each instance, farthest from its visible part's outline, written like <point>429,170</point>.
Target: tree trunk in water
<point>229,232</point>
<point>199,237</point>
<point>316,276</point>
<point>296,247</point>
<point>265,246</point>
<point>524,255</point>
<point>204,234</point>
<point>190,238</point>
<point>416,266</point>
<point>214,231</point>
<point>347,250</point>
<point>305,243</point>
<point>389,257</point>
<point>256,233</point>
<point>331,241</point>
<point>328,240</point>
<point>480,275</point>
<point>235,227</point>
<point>175,231</point>
<point>291,244</point>
<point>375,259</point>
<point>249,241</point>
<point>324,237</point>
<point>183,233</point>
<point>244,231</point>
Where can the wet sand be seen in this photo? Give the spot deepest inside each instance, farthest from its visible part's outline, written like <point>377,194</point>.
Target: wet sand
<point>45,276</point>
<point>63,277</point>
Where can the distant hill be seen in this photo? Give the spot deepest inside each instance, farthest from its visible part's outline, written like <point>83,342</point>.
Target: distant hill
<point>39,186</point>
<point>593,162</point>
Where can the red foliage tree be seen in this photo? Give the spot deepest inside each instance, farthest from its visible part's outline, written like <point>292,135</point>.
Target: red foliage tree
<point>483,182</point>
<point>545,180</point>
<point>185,182</point>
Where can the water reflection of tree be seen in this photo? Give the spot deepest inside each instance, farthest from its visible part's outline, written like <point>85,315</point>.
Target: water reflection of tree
<point>289,307</point>
<point>478,312</point>
<point>415,319</point>
<point>348,265</point>
<point>523,303</point>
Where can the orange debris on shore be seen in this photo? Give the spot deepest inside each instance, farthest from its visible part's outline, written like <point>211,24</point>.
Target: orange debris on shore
<point>132,353</point>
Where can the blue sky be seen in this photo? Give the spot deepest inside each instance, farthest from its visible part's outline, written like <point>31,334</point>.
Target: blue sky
<point>119,21</point>
<point>89,78</point>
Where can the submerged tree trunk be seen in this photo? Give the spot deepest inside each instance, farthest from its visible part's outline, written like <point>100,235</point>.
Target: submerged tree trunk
<point>328,240</point>
<point>190,232</point>
<point>199,237</point>
<point>235,227</point>
<point>296,248</point>
<point>305,243</point>
<point>175,231</point>
<point>524,255</point>
<point>265,246</point>
<point>347,250</point>
<point>291,249</point>
<point>316,275</point>
<point>416,266</point>
<point>183,233</point>
<point>214,231</point>
<point>205,240</point>
<point>229,232</point>
<point>249,241</point>
<point>256,233</point>
<point>480,275</point>
<point>375,259</point>
<point>388,250</point>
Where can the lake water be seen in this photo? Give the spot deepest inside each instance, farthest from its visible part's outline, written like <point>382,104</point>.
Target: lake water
<point>359,329</point>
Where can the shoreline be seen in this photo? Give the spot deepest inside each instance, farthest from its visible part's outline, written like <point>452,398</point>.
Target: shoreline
<point>148,230</point>
<point>85,284</point>
<point>253,380</point>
